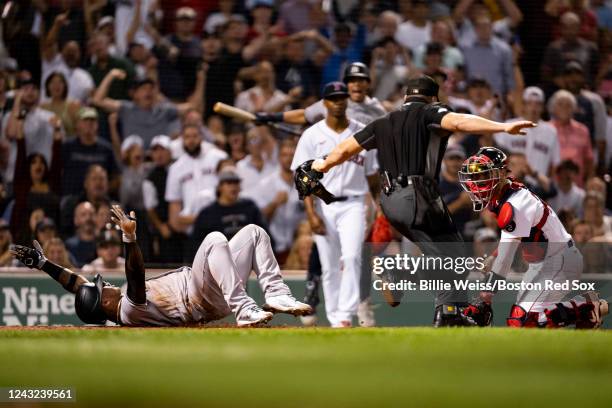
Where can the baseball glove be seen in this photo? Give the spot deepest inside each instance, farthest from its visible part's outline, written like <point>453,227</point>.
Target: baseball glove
<point>307,182</point>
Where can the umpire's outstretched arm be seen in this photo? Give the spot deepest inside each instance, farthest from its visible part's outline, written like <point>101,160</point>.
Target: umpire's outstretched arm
<point>453,122</point>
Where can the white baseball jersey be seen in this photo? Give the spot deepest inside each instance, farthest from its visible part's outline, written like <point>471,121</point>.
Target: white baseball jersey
<point>347,179</point>
<point>540,145</point>
<point>363,112</point>
<point>190,175</point>
<point>286,218</point>
<point>528,211</point>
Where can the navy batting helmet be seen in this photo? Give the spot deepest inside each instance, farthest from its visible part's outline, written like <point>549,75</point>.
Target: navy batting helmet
<point>88,302</point>
<point>356,70</point>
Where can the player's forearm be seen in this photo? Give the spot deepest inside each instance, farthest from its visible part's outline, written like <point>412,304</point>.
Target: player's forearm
<point>294,117</point>
<point>341,153</point>
<point>135,272</point>
<point>459,122</point>
<point>68,279</point>
<point>505,255</point>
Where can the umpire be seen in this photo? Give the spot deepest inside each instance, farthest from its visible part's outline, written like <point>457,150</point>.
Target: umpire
<point>411,143</point>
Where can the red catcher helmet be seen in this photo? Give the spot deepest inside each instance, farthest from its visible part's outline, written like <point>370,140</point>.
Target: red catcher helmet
<point>480,175</point>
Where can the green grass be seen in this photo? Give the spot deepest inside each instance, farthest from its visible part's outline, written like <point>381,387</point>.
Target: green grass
<point>314,367</point>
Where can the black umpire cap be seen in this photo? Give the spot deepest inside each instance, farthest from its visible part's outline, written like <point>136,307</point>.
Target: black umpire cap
<point>335,89</point>
<point>422,85</point>
<point>356,70</point>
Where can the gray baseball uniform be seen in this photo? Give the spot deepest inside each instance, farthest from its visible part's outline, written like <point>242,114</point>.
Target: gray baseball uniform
<point>213,287</point>
<point>363,112</point>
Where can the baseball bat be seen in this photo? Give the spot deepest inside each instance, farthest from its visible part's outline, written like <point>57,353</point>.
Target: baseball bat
<point>244,116</point>
<point>233,112</point>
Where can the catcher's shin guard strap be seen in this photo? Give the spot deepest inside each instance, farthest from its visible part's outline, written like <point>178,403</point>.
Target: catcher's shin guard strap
<point>521,318</point>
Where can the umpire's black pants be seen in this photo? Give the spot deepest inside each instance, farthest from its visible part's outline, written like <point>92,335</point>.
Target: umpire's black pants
<point>417,211</point>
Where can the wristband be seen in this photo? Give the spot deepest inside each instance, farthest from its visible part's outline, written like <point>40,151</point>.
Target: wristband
<point>128,238</point>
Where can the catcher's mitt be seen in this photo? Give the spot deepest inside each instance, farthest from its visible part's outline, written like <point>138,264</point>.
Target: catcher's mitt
<point>307,182</point>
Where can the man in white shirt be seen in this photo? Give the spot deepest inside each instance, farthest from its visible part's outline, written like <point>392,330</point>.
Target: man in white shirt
<point>253,168</point>
<point>188,176</point>
<point>339,226</point>
<point>280,204</point>
<point>541,145</point>
<point>80,82</point>
<point>413,33</point>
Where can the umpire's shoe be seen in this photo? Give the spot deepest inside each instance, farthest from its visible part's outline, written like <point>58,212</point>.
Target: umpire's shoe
<point>311,297</point>
<point>450,315</point>
<point>392,297</point>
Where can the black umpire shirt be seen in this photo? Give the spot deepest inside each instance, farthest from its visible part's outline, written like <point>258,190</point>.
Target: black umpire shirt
<point>409,141</point>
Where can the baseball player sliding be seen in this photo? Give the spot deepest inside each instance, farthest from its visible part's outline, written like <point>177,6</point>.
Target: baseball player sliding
<point>214,287</point>
<point>339,227</point>
<point>547,247</point>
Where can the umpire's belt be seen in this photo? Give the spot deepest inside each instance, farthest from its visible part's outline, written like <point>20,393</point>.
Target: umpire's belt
<point>421,183</point>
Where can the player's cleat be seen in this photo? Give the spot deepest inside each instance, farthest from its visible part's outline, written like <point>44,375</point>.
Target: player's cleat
<point>253,316</point>
<point>450,315</point>
<point>311,295</point>
<point>365,314</point>
<point>287,304</point>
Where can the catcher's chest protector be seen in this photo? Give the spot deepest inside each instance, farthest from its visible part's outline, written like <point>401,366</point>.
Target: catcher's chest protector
<point>535,250</point>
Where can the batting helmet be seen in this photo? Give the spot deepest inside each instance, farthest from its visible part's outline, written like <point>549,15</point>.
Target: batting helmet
<point>88,302</point>
<point>356,70</point>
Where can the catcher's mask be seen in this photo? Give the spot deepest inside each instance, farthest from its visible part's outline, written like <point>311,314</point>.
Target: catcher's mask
<point>480,175</point>
<point>88,301</point>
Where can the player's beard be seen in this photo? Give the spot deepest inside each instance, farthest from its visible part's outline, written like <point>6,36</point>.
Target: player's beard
<point>195,151</point>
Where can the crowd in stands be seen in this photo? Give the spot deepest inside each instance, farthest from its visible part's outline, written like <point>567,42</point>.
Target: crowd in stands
<point>111,101</point>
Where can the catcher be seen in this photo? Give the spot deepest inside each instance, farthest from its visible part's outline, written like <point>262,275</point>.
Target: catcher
<point>525,220</point>
<point>214,287</point>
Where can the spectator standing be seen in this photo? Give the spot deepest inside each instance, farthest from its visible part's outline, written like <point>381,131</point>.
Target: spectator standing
<point>146,115</point>
<point>570,47</point>
<point>254,167</point>
<point>37,124</point>
<point>192,173</point>
<point>497,54</point>
<point>133,173</point>
<point>66,109</point>
<point>84,151</point>
<point>82,245</point>
<point>104,63</point>
<point>67,62</point>
<point>389,67</point>
<point>166,244</point>
<point>569,196</point>
<point>36,185</point>
<point>574,140</point>
<point>264,97</point>
<point>442,33</point>
<point>415,31</point>
<point>348,48</point>
<point>541,144</point>
<point>179,66</point>
<point>280,204</point>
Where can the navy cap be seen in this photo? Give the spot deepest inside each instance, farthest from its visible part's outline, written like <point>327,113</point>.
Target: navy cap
<point>335,89</point>
<point>422,85</point>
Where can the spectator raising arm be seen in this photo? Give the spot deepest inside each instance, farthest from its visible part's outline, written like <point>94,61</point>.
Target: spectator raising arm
<point>100,98</point>
<point>49,44</point>
<point>196,100</point>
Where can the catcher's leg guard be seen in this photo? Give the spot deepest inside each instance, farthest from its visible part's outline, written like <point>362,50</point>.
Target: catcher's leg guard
<point>519,317</point>
<point>479,312</point>
<point>585,311</point>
